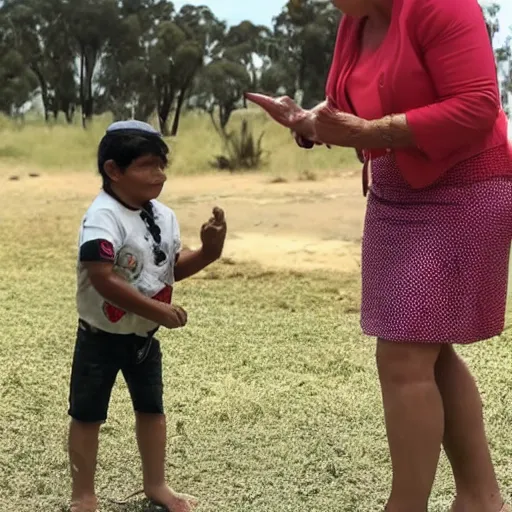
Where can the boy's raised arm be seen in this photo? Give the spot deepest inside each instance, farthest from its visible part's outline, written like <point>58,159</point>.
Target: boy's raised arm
<point>213,235</point>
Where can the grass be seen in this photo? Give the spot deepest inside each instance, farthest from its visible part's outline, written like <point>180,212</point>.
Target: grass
<point>58,148</point>
<point>271,391</point>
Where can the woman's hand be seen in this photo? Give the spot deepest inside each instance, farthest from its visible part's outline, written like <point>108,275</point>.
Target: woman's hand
<point>321,125</point>
<point>287,113</point>
<point>304,142</point>
<point>340,128</point>
<point>283,109</point>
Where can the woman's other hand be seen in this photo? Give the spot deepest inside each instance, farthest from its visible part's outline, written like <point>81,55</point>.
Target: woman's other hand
<point>304,142</point>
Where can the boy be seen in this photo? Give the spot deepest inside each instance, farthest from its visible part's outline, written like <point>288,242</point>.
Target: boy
<point>129,259</point>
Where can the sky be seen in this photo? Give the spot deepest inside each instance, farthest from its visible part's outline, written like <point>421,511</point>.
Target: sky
<point>262,11</point>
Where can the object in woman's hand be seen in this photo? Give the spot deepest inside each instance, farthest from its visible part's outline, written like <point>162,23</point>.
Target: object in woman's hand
<point>302,142</point>
<point>283,109</point>
<point>305,143</point>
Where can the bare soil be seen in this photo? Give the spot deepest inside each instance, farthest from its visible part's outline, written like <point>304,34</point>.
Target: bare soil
<point>296,224</point>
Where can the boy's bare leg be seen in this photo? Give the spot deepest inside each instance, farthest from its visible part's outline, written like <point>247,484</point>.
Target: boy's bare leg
<point>83,452</point>
<point>151,438</point>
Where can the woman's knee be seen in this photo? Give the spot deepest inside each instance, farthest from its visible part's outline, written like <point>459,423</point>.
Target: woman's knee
<point>404,363</point>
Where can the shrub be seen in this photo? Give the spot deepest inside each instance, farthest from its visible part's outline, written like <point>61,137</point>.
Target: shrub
<point>243,150</point>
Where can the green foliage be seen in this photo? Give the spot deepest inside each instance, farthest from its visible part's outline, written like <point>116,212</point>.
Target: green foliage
<point>143,58</point>
<point>503,53</point>
<point>224,83</point>
<point>301,49</point>
<point>244,151</point>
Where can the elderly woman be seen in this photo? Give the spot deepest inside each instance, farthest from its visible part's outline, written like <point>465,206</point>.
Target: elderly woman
<point>413,88</point>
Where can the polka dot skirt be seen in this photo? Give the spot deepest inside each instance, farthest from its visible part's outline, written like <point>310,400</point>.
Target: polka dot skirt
<point>435,261</point>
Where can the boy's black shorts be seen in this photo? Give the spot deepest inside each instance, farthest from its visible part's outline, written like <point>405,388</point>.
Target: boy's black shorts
<point>97,360</point>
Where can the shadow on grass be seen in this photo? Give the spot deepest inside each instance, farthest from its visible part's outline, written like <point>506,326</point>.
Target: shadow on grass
<point>141,505</point>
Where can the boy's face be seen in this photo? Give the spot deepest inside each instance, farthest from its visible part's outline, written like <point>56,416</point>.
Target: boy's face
<point>142,180</point>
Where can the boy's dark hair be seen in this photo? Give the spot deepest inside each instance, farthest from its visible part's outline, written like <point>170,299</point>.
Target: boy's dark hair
<point>126,141</point>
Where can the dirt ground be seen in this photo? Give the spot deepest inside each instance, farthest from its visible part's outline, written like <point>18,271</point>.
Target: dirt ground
<point>301,224</point>
<point>295,224</point>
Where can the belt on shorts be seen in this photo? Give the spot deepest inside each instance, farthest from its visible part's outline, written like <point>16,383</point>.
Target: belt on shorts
<point>141,353</point>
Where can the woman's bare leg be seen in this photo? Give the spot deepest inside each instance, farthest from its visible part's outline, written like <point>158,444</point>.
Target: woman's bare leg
<point>465,441</point>
<point>414,417</point>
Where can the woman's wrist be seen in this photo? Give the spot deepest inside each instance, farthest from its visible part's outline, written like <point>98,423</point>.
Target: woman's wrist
<point>390,131</point>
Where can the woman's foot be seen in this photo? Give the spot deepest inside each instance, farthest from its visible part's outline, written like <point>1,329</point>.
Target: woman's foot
<point>84,504</point>
<point>173,501</point>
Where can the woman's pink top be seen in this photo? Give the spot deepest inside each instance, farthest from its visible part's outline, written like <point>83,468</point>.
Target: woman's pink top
<point>362,93</point>
<point>438,68</point>
<point>363,86</point>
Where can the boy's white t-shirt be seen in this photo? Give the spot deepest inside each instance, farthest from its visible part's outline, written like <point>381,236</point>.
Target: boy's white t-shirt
<point>134,259</point>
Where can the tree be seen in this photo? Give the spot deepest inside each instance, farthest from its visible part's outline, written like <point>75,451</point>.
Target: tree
<point>152,60</point>
<point>137,57</point>
<point>244,43</point>
<point>302,47</point>
<point>124,78</point>
<point>503,53</point>
<point>205,34</point>
<point>90,22</point>
<point>224,83</point>
<point>163,68</point>
<point>17,80</point>
<point>57,67</point>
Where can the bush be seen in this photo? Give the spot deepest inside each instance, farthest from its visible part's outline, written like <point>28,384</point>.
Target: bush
<point>243,150</point>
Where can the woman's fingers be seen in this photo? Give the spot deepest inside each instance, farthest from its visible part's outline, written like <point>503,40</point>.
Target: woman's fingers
<point>283,109</point>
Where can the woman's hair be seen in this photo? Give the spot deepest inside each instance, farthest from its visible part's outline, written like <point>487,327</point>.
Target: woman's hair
<point>123,146</point>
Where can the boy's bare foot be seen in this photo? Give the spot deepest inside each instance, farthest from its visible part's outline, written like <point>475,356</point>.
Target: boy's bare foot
<point>84,504</point>
<point>173,501</point>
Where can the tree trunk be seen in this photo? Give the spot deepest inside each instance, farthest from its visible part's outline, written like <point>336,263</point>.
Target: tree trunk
<point>211,112</point>
<point>177,113</point>
<point>90,64</point>
<point>44,92</point>
<point>162,122</point>
<point>225,112</point>
<point>82,75</point>
<point>69,111</point>
<point>164,109</point>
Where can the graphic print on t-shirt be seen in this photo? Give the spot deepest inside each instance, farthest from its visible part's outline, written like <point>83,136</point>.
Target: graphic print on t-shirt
<point>129,264</point>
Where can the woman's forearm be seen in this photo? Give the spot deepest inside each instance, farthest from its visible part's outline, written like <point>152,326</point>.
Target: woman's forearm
<point>349,131</point>
<point>388,132</point>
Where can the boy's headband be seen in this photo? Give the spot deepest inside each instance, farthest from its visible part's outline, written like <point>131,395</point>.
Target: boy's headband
<point>134,127</point>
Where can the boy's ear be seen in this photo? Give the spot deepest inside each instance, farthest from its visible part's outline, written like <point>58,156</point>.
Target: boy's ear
<point>112,170</point>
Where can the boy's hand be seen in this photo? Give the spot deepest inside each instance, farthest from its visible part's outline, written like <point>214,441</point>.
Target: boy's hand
<point>213,235</point>
<point>174,317</point>
<point>114,289</point>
